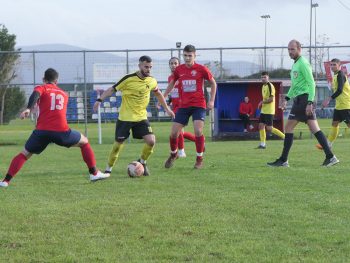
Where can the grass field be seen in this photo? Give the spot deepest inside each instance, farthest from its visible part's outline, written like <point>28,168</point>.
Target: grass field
<point>236,209</point>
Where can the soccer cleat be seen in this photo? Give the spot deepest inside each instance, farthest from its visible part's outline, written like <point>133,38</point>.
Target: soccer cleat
<point>99,176</point>
<point>328,162</point>
<point>251,127</point>
<point>199,163</point>
<point>4,184</point>
<point>181,153</point>
<point>145,168</point>
<point>170,161</point>
<point>278,163</point>
<point>261,147</point>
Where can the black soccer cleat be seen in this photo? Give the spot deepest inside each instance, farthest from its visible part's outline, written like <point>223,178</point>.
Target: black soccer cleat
<point>278,163</point>
<point>261,147</point>
<point>328,162</point>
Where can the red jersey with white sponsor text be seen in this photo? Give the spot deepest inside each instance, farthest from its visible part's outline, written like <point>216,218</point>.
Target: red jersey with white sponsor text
<point>192,84</point>
<point>52,108</point>
<point>174,94</point>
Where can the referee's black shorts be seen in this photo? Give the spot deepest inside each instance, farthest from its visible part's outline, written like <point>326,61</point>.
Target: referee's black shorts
<point>298,111</point>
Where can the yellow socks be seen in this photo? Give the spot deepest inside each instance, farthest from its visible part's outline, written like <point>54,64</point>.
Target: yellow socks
<point>262,136</point>
<point>113,156</point>
<point>333,134</point>
<point>277,132</point>
<point>146,151</point>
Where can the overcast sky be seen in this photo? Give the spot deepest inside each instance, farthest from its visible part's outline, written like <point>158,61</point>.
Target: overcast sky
<point>136,24</point>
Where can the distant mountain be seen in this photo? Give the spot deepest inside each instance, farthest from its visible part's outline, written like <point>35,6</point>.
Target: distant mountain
<point>50,47</point>
<point>70,64</point>
<point>129,41</point>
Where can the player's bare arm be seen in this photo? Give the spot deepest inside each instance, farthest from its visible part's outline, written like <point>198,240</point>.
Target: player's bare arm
<point>34,97</point>
<point>212,83</point>
<point>107,93</point>
<point>169,88</point>
<point>162,101</point>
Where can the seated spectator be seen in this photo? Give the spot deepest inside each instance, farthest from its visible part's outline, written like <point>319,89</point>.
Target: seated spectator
<point>245,111</point>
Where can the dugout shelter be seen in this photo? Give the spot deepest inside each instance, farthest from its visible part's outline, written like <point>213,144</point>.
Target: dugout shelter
<point>226,124</point>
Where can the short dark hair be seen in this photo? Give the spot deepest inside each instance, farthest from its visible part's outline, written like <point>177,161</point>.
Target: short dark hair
<point>264,73</point>
<point>174,58</point>
<point>189,48</point>
<point>296,42</point>
<point>336,60</point>
<point>50,75</point>
<point>145,58</point>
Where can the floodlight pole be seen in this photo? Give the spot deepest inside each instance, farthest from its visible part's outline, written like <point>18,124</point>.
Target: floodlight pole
<point>265,17</point>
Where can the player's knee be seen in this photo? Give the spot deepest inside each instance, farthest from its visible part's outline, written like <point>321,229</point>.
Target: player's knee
<point>83,140</point>
<point>151,143</point>
<point>120,141</point>
<point>26,153</point>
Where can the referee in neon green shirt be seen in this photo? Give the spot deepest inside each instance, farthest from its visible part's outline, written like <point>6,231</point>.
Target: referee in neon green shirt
<point>302,91</point>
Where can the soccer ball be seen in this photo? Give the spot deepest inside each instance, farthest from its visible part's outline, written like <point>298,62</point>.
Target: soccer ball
<point>135,169</point>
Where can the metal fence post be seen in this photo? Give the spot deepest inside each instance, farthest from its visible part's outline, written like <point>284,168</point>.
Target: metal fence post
<point>85,93</point>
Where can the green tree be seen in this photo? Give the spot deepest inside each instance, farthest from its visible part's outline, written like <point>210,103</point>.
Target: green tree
<point>8,59</point>
<point>15,100</point>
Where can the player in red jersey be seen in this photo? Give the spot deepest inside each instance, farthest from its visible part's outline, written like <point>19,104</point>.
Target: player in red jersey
<point>191,77</point>
<point>51,127</point>
<point>174,99</point>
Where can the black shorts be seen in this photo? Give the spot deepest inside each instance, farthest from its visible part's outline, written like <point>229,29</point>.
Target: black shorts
<point>298,111</point>
<point>39,140</point>
<point>139,129</point>
<point>266,119</point>
<point>341,115</point>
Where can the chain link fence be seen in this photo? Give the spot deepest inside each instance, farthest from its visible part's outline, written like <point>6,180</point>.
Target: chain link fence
<point>83,73</point>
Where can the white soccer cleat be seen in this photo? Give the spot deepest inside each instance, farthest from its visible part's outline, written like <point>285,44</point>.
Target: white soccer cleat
<point>99,176</point>
<point>181,153</point>
<point>4,184</point>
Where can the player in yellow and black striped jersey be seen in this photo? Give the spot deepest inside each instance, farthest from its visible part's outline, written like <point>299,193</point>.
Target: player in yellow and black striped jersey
<point>267,106</point>
<point>341,95</point>
<point>135,89</point>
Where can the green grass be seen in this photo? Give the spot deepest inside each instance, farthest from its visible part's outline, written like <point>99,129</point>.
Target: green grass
<point>234,210</point>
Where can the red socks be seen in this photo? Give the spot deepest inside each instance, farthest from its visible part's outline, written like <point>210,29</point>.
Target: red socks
<point>16,164</point>
<point>200,144</point>
<point>88,155</point>
<point>173,144</point>
<point>189,136</point>
<point>181,143</point>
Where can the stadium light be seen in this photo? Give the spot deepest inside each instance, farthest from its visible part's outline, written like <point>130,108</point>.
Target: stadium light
<point>314,6</point>
<point>178,46</point>
<point>265,17</point>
